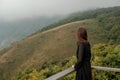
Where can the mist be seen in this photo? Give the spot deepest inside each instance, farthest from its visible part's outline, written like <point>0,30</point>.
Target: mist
<point>21,9</point>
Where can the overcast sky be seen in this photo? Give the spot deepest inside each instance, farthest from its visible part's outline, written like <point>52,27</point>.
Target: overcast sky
<point>19,9</point>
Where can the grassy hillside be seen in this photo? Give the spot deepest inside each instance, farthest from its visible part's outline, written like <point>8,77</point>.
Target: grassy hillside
<point>108,20</point>
<point>57,44</point>
<point>102,55</point>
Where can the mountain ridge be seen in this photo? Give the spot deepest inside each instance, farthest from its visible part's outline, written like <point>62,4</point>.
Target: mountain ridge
<point>59,44</point>
<point>32,52</point>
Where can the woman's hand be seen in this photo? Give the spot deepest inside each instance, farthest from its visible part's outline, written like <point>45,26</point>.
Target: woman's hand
<point>73,66</point>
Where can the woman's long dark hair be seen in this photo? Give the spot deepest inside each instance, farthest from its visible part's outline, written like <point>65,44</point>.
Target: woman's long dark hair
<point>81,35</point>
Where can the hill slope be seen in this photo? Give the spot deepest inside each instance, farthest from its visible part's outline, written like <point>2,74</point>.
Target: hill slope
<point>108,20</point>
<point>58,43</point>
<point>55,44</point>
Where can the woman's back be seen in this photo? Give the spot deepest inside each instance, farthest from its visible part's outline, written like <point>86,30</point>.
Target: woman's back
<point>87,53</point>
<point>83,54</point>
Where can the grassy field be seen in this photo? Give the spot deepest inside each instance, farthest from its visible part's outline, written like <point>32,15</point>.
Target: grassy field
<point>55,44</point>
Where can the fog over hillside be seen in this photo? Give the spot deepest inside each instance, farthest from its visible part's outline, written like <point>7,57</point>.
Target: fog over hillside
<point>19,9</point>
<point>20,18</point>
<point>17,30</point>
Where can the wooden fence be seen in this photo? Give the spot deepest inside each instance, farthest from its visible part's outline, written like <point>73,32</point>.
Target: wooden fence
<point>70,70</point>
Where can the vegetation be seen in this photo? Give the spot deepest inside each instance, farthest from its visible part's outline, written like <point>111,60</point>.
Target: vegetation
<point>108,20</point>
<point>109,56</point>
<point>103,55</point>
<point>49,51</point>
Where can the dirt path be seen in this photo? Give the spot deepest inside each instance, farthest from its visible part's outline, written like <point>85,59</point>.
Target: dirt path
<point>56,28</point>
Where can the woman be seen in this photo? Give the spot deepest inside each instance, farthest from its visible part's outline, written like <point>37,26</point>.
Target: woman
<point>83,54</point>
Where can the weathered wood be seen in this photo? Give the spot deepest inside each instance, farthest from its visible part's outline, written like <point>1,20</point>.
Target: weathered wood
<point>61,74</point>
<point>70,70</point>
<point>106,68</point>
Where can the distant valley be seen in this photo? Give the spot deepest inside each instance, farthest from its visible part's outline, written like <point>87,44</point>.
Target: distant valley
<point>16,30</point>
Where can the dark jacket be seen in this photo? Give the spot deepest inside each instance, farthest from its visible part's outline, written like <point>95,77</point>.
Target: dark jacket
<point>83,66</point>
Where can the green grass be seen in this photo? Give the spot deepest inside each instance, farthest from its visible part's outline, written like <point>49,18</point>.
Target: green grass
<point>33,51</point>
<point>59,43</point>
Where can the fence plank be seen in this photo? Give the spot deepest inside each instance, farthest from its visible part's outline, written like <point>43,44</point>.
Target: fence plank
<point>61,74</point>
<point>70,70</point>
<point>106,68</point>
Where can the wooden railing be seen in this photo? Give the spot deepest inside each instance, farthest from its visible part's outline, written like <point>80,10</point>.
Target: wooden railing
<point>70,70</point>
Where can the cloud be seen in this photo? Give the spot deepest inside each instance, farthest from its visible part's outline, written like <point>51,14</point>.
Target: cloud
<point>18,9</point>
